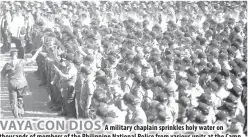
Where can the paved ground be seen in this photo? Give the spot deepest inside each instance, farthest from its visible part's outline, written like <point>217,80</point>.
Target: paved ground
<point>35,103</point>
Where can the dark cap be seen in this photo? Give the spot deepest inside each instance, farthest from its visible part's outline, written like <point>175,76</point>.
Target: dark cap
<point>102,112</point>
<point>89,58</point>
<point>213,85</point>
<point>85,70</point>
<point>205,98</point>
<point>236,44</point>
<point>162,97</point>
<point>231,51</point>
<point>237,91</point>
<point>192,71</point>
<point>219,79</point>
<point>129,98</point>
<point>223,56</point>
<point>133,70</point>
<point>102,79</point>
<point>231,98</point>
<point>203,107</point>
<point>111,59</point>
<point>191,112</point>
<point>69,57</point>
<point>185,101</point>
<point>77,61</point>
<point>100,73</point>
<point>221,115</point>
<point>200,119</point>
<point>202,63</point>
<point>187,60</point>
<point>138,79</point>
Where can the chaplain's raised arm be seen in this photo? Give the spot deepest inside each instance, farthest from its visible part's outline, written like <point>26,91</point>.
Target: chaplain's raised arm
<point>33,58</point>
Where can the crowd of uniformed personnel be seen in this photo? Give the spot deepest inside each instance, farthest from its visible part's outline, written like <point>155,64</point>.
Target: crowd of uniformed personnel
<point>138,62</point>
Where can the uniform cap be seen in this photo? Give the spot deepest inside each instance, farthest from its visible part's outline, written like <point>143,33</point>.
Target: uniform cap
<point>214,53</point>
<point>237,29</point>
<point>221,115</point>
<point>191,112</point>
<point>202,63</point>
<point>213,85</point>
<point>160,84</point>
<point>192,80</point>
<point>89,58</point>
<point>133,70</point>
<point>163,115</point>
<point>201,55</point>
<point>111,59</point>
<point>231,98</point>
<point>221,26</point>
<point>231,51</point>
<point>169,58</point>
<point>128,97</point>
<point>99,94</point>
<point>154,59</point>
<point>100,73</point>
<point>177,61</point>
<point>192,71</point>
<point>152,80</point>
<point>102,112</point>
<point>225,72</point>
<point>219,79</point>
<point>127,67</point>
<point>102,79</point>
<point>169,73</point>
<point>162,97</point>
<point>214,43</point>
<point>85,70</point>
<point>224,34</point>
<point>223,56</point>
<point>236,71</point>
<point>183,84</point>
<point>210,32</point>
<point>77,61</point>
<point>187,60</point>
<point>200,119</point>
<point>185,101</point>
<point>203,107</point>
<point>214,70</point>
<point>205,98</point>
<point>232,63</point>
<point>237,91</point>
<point>69,57</point>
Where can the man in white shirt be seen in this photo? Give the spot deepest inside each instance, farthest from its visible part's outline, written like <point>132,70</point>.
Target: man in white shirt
<point>15,29</point>
<point>5,22</point>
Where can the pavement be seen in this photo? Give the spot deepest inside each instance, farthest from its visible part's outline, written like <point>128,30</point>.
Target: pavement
<point>34,103</point>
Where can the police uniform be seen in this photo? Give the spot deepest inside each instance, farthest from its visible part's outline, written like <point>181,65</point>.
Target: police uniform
<point>87,90</point>
<point>69,77</point>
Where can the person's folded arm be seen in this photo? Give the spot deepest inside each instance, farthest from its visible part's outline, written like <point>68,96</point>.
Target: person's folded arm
<point>70,74</point>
